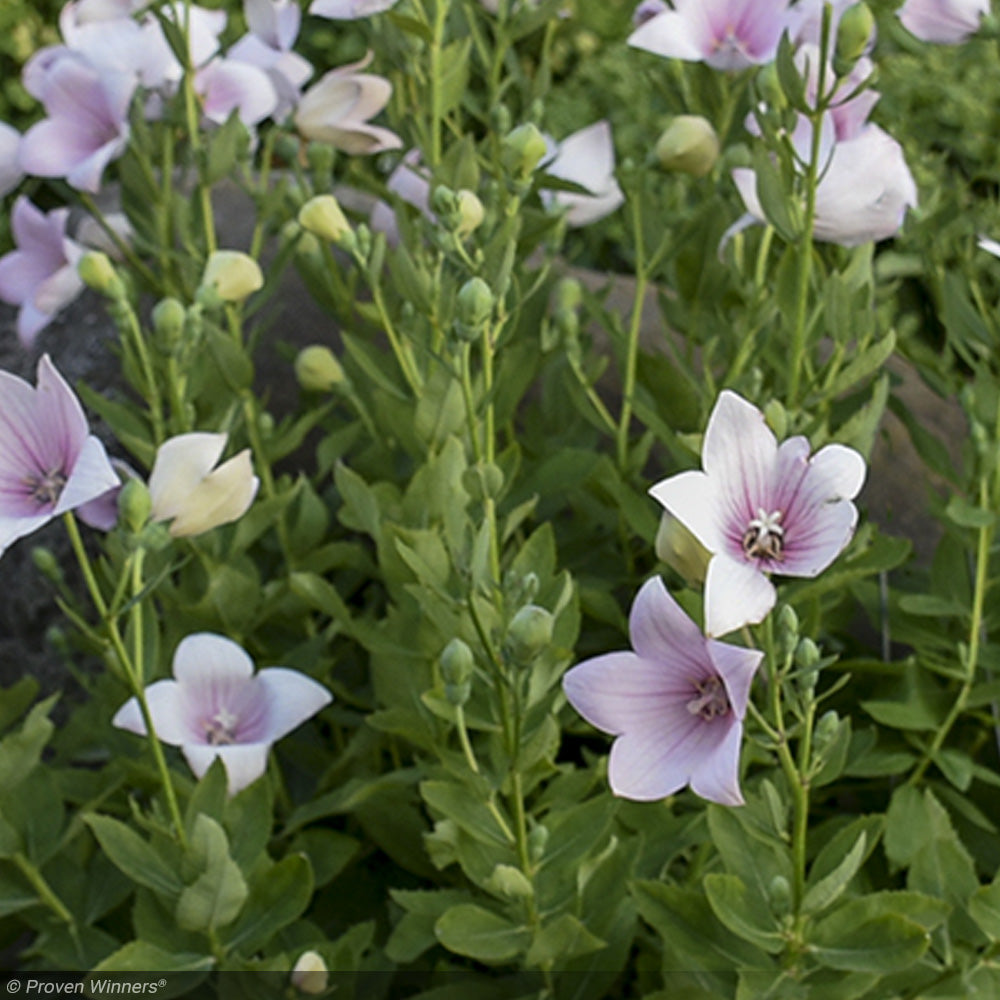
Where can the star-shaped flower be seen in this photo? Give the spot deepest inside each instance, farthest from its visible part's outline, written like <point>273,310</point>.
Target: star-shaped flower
<point>676,704</point>
<point>761,509</point>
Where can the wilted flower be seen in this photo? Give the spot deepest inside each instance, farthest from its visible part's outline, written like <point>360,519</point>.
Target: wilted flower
<point>40,275</point>
<point>761,509</point>
<point>864,190</point>
<point>945,21</point>
<point>349,10</point>
<point>227,85</point>
<point>191,493</point>
<point>233,274</point>
<point>310,974</point>
<point>217,707</point>
<point>586,158</point>
<point>725,34</point>
<point>689,144</point>
<point>87,124</point>
<point>49,461</point>
<point>676,704</point>
<point>336,110</point>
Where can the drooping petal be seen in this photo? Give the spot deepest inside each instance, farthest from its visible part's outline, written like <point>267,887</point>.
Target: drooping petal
<point>736,594</point>
<point>736,667</point>
<point>91,476</point>
<point>946,22</point>
<point>693,498</point>
<point>221,497</point>
<point>349,10</point>
<point>244,763</point>
<point>227,85</point>
<point>292,698</point>
<point>181,464</point>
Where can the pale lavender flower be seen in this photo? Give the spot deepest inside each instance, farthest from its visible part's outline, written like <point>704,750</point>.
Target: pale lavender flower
<point>409,184</point>
<point>849,115</point>
<point>87,124</point>
<point>10,167</point>
<point>864,190</point>
<point>274,26</point>
<point>990,246</point>
<point>587,158</point>
<point>189,491</point>
<point>227,85</point>
<point>947,22</point>
<point>40,275</point>
<point>349,10</point>
<point>725,34</point>
<point>49,461</point>
<point>216,707</point>
<point>676,704</point>
<point>336,110</point>
<point>759,509</point>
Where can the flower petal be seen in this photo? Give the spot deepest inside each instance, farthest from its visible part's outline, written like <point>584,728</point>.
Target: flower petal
<point>663,634</point>
<point>167,708</point>
<point>736,594</point>
<point>244,763</point>
<point>203,660</point>
<point>92,475</point>
<point>693,498</point>
<point>221,497</point>
<point>716,775</point>
<point>736,666</point>
<point>181,464</point>
<point>292,698</point>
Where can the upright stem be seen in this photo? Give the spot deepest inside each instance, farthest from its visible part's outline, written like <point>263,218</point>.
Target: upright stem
<point>437,29</point>
<point>632,344</point>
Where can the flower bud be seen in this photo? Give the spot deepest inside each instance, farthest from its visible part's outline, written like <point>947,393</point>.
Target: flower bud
<point>853,35</point>
<point>322,216</point>
<point>458,694</point>
<point>522,150</point>
<point>97,272</point>
<point>318,369</point>
<point>46,563</point>
<point>470,213</point>
<point>474,308</point>
<point>169,316</point>
<point>483,480</point>
<point>134,505</point>
<point>680,550</point>
<point>779,895</point>
<point>310,974</point>
<point>538,837</point>
<point>769,87</point>
<point>825,731</point>
<point>510,882</point>
<point>569,294</point>
<point>456,662</point>
<point>529,632</point>
<point>788,631</point>
<point>689,145</point>
<point>806,654</point>
<point>321,156</point>
<point>233,275</point>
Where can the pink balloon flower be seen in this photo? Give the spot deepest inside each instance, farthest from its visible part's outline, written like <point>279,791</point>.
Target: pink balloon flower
<point>725,34</point>
<point>760,508</point>
<point>676,704</point>
<point>49,461</point>
<point>217,707</point>
<point>947,22</point>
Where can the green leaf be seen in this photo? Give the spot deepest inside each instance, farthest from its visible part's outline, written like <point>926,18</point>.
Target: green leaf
<point>454,73</point>
<point>826,890</point>
<point>225,146</point>
<point>218,893</point>
<point>868,361</point>
<point>932,606</point>
<point>133,856</point>
<point>886,944</point>
<point>559,941</point>
<point>470,930</point>
<point>277,896</point>
<point>20,752</point>
<point>984,908</point>
<point>775,199</point>
<point>140,956</point>
<point>459,803</point>
<point>742,911</point>
<point>968,515</point>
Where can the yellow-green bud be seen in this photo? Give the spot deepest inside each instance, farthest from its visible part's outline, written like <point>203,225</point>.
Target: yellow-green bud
<point>788,629</point>
<point>310,974</point>
<point>169,316</point>
<point>853,34</point>
<point>470,212</point>
<point>456,662</point>
<point>324,217</point>
<point>474,306</point>
<point>689,145</point>
<point>510,882</point>
<point>826,729</point>
<point>522,150</point>
<point>777,417</point>
<point>538,837</point>
<point>586,43</point>
<point>97,272</point>
<point>569,294</point>
<point>321,156</point>
<point>806,654</point>
<point>483,480</point>
<point>318,369</point>
<point>529,632</point>
<point>680,550</point>
<point>134,505</point>
<point>233,275</point>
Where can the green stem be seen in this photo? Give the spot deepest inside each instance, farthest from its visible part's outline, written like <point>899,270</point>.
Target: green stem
<point>42,888</point>
<point>121,246</point>
<point>632,344</point>
<point>437,30</point>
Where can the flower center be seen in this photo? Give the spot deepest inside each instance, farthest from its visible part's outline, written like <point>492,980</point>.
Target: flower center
<point>711,701</point>
<point>765,537</point>
<point>220,728</point>
<point>45,489</point>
